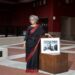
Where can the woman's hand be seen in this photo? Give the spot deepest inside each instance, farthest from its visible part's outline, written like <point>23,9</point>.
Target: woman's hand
<point>47,34</point>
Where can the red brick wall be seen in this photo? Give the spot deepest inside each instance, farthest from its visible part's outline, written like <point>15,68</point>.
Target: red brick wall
<point>56,8</point>
<point>23,11</point>
<point>21,14</point>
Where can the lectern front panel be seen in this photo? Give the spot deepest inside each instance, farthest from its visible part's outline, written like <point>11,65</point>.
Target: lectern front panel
<point>54,63</point>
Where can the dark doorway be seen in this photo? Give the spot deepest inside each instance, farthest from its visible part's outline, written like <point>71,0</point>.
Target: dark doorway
<point>0,53</point>
<point>44,23</point>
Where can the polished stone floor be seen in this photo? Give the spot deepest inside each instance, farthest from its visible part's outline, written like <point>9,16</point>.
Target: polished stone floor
<point>15,63</point>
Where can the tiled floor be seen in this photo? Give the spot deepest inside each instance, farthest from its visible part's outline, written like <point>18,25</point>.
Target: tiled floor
<point>16,65</point>
<point>12,71</point>
<point>13,51</point>
<point>20,59</point>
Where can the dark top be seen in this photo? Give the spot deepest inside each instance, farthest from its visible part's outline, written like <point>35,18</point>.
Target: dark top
<point>32,38</point>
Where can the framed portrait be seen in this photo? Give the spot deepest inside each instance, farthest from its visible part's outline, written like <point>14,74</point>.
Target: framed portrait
<point>44,2</point>
<point>50,46</point>
<point>40,3</point>
<point>34,4</point>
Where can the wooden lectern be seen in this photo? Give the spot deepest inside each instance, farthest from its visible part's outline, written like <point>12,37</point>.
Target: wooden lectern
<point>54,63</point>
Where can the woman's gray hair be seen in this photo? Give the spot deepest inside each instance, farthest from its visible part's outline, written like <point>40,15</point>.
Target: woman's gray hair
<point>36,18</point>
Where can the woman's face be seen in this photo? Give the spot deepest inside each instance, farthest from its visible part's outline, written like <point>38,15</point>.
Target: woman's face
<point>32,21</point>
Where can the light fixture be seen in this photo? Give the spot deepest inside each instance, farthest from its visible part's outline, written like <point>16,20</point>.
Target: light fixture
<point>54,17</point>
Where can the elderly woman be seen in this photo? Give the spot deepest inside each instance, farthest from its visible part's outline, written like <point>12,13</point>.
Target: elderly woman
<point>33,35</point>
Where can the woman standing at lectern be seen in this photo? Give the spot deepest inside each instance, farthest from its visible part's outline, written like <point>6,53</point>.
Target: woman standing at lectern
<point>33,34</point>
